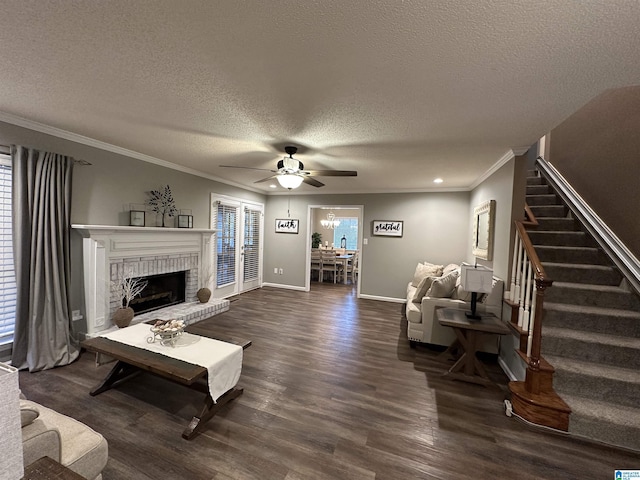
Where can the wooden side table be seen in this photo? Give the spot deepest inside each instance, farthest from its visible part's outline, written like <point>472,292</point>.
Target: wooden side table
<point>48,469</point>
<point>468,368</point>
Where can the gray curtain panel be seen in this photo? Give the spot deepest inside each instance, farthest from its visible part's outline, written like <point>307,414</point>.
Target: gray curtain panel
<point>41,242</point>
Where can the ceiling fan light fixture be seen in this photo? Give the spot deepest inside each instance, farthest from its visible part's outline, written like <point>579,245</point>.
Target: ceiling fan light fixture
<point>289,181</point>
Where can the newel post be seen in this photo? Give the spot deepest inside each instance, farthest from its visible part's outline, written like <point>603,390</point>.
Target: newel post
<point>533,381</point>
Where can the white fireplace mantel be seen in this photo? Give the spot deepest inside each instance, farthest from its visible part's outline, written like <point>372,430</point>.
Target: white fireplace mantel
<point>104,245</point>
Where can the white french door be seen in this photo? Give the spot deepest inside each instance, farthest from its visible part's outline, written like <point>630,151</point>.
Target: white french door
<point>237,251</point>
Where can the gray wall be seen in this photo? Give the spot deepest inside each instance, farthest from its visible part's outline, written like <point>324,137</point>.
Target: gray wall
<point>436,228</point>
<point>596,150</point>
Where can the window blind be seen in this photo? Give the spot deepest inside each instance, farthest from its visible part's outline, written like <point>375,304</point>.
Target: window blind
<point>251,245</point>
<point>7,272</point>
<point>227,220</point>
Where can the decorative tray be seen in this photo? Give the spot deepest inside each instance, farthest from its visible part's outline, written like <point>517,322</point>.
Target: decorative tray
<point>166,332</point>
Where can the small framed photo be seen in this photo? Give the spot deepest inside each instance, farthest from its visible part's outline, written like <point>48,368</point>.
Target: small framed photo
<point>287,225</point>
<point>136,218</point>
<point>185,221</point>
<point>386,228</point>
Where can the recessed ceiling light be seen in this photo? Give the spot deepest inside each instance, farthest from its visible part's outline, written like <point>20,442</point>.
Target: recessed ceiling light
<point>438,180</point>
<point>273,185</point>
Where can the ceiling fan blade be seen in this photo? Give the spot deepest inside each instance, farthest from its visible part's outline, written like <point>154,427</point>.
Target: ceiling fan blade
<point>248,168</point>
<point>312,181</point>
<point>266,179</point>
<point>333,173</point>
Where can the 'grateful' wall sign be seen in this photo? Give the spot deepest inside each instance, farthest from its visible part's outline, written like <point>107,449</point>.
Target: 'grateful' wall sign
<point>387,228</point>
<point>287,225</point>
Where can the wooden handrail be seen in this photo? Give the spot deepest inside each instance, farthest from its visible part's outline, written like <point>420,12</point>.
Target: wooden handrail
<point>530,218</point>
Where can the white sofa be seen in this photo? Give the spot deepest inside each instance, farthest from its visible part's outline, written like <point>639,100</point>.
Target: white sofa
<point>422,325</point>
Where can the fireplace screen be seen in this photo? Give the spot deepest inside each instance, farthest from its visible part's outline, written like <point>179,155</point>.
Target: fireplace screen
<point>161,291</point>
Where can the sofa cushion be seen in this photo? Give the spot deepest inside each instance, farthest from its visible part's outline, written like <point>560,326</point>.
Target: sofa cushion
<point>421,289</point>
<point>28,412</point>
<point>443,287</point>
<point>426,270</point>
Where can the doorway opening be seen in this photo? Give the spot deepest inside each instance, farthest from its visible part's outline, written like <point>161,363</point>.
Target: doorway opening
<point>344,235</point>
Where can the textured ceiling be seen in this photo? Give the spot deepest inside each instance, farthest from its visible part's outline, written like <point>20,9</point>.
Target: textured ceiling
<point>401,91</point>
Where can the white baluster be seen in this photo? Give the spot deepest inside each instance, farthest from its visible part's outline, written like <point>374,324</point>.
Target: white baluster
<point>533,305</point>
<point>525,264</point>
<point>529,341</point>
<point>527,297</point>
<point>514,266</point>
<point>516,293</point>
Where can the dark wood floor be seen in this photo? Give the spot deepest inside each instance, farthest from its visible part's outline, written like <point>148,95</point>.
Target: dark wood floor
<point>332,391</point>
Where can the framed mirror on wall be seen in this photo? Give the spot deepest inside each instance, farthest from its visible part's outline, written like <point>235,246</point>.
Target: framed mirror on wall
<point>483,225</point>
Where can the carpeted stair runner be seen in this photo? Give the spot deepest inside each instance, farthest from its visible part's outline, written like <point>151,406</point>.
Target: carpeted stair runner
<point>591,326</point>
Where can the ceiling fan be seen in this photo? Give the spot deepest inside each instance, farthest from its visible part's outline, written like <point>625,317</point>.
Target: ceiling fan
<point>290,172</point>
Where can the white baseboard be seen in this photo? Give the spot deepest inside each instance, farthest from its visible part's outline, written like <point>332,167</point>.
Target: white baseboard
<point>286,287</point>
<point>507,370</point>
<point>383,299</point>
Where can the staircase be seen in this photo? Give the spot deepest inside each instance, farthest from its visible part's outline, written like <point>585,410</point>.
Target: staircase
<point>591,326</point>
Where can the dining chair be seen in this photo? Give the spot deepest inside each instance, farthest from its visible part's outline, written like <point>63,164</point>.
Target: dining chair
<point>329,264</point>
<point>352,268</point>
<point>316,263</point>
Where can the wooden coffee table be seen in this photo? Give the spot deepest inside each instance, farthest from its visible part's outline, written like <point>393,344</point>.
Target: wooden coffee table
<point>132,361</point>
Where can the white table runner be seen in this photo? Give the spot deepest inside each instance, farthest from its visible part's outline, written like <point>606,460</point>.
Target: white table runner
<point>222,360</point>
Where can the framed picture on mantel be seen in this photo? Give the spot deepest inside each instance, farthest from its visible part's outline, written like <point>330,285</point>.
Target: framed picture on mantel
<point>136,218</point>
<point>386,228</point>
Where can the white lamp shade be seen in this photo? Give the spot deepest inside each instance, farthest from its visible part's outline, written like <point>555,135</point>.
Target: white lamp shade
<point>289,181</point>
<point>476,278</point>
<point>11,465</point>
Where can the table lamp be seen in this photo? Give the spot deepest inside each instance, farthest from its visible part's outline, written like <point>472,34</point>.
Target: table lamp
<point>11,465</point>
<point>475,279</point>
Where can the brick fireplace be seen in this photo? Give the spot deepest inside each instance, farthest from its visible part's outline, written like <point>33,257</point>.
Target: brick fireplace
<point>111,251</point>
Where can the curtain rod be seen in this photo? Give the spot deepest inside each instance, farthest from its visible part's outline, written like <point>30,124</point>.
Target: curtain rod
<point>6,150</point>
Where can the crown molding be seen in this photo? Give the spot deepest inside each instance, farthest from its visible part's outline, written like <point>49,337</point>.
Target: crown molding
<point>493,169</point>
<point>92,142</point>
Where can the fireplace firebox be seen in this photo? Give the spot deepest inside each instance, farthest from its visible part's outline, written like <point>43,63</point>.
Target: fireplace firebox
<point>161,291</point>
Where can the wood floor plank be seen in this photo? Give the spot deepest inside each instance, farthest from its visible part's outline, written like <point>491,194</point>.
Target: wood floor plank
<point>332,390</point>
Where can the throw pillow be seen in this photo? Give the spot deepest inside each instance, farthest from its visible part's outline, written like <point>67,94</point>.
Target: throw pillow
<point>450,268</point>
<point>425,270</point>
<point>422,288</point>
<point>443,287</point>
<point>28,412</point>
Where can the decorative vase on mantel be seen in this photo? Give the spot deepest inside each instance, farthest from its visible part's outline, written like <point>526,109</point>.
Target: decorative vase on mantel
<point>204,294</point>
<point>123,316</point>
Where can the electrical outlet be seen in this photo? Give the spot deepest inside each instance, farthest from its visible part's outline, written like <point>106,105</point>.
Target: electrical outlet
<point>281,271</point>
<point>275,270</point>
